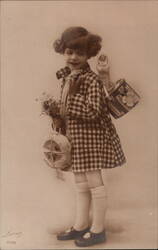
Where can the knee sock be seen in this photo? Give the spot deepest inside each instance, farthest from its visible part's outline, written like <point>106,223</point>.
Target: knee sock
<point>99,203</point>
<point>83,199</point>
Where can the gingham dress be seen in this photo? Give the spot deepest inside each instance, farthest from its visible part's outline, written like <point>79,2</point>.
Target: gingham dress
<point>95,142</point>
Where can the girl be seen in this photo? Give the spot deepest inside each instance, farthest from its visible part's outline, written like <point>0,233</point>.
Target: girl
<point>94,140</point>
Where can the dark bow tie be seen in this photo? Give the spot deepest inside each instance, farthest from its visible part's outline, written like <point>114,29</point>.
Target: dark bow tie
<point>64,72</point>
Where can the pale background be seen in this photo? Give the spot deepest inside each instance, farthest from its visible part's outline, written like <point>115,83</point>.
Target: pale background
<point>34,204</point>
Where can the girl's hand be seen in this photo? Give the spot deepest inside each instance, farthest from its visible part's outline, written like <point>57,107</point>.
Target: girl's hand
<point>57,123</point>
<point>75,86</point>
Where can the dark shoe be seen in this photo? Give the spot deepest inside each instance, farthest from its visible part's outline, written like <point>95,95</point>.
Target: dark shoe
<point>90,239</point>
<point>71,234</point>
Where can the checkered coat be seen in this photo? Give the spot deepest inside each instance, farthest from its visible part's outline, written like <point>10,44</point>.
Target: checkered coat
<point>95,142</point>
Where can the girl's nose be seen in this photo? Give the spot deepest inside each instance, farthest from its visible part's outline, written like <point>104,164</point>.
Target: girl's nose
<point>74,56</point>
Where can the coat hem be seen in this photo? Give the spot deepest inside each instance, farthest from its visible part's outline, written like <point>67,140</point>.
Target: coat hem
<point>94,169</point>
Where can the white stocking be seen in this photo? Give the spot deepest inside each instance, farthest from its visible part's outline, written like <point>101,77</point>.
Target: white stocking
<point>83,199</point>
<point>99,203</point>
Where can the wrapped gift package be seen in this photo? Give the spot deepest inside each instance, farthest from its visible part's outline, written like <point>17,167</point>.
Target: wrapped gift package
<point>122,99</point>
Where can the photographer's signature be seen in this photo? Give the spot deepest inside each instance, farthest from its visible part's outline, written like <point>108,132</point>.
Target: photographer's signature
<point>9,234</point>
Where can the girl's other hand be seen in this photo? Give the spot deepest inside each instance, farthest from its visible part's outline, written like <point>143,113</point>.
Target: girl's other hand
<point>57,123</point>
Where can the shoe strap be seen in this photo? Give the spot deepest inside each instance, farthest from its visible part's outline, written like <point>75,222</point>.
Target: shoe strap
<point>87,235</point>
<point>69,230</point>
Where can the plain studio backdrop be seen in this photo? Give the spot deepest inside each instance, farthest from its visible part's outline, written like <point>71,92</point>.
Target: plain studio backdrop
<point>35,204</point>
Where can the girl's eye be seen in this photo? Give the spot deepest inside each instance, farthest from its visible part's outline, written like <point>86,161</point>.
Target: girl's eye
<point>69,52</point>
<point>80,53</point>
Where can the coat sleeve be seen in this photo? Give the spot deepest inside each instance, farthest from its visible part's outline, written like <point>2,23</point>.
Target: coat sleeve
<point>86,107</point>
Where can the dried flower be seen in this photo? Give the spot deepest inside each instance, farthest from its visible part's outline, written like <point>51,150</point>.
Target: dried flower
<point>50,106</point>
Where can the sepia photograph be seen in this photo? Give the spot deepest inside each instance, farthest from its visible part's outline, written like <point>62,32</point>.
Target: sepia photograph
<point>79,105</point>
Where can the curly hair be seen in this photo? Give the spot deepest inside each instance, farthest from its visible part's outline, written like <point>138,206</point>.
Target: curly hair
<point>80,39</point>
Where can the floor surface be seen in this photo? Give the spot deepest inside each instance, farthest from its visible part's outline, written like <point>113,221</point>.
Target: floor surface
<point>32,217</point>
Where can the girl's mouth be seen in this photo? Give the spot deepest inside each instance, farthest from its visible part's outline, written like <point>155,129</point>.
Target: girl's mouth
<point>74,63</point>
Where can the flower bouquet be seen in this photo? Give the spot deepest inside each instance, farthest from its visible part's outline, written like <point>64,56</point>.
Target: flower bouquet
<point>51,107</point>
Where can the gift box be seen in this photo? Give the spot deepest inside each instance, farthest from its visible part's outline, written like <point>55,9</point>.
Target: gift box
<point>122,99</point>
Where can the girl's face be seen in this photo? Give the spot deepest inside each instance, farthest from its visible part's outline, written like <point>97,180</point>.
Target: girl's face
<point>75,59</point>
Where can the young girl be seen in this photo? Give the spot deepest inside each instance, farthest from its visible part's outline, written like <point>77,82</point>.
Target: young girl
<point>94,140</point>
